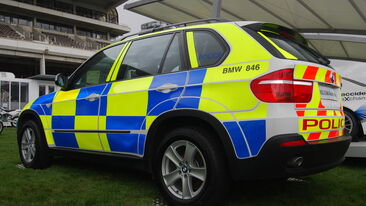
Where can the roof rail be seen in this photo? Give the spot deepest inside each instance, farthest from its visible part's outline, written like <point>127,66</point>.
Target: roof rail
<point>170,26</point>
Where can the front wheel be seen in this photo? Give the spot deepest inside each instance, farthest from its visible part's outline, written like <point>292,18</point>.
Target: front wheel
<point>190,168</point>
<point>33,149</point>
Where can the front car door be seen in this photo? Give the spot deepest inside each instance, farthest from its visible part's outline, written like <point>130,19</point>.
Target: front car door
<point>75,111</point>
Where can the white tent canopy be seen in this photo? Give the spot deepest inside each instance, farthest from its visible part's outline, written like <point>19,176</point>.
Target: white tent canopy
<point>337,28</point>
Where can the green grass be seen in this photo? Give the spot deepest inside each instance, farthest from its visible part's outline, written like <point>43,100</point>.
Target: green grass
<point>77,181</point>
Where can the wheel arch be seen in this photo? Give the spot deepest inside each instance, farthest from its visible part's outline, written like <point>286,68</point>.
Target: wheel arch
<point>170,120</point>
<point>28,114</point>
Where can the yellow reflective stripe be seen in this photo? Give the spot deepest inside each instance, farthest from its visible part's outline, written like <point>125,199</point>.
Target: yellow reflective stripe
<point>320,75</point>
<point>102,123</point>
<point>300,71</point>
<point>120,60</point>
<point>269,31</point>
<point>285,53</point>
<point>315,100</point>
<point>192,50</point>
<point>108,79</point>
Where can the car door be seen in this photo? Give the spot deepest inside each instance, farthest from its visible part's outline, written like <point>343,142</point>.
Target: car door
<point>141,92</point>
<point>75,111</point>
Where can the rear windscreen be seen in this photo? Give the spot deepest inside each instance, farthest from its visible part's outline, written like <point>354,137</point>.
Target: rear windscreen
<point>290,41</point>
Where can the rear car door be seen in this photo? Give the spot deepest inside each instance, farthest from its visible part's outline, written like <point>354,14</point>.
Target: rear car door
<point>141,93</point>
<point>75,111</point>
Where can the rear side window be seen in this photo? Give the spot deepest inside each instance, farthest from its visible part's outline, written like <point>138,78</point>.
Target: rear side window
<point>144,57</point>
<point>173,62</point>
<point>209,49</point>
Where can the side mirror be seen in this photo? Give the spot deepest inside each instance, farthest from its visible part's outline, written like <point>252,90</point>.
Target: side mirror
<point>61,80</point>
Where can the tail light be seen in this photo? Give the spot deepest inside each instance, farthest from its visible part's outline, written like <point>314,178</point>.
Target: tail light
<point>280,86</point>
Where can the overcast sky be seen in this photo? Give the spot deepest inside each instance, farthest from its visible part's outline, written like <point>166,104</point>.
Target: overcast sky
<point>131,19</point>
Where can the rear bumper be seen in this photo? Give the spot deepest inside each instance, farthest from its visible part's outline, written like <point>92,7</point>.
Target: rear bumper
<point>273,160</point>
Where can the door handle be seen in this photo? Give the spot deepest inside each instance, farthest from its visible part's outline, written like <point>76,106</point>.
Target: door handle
<point>166,88</point>
<point>92,97</point>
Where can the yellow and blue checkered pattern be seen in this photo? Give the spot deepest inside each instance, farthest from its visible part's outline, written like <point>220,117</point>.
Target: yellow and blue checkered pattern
<point>119,119</point>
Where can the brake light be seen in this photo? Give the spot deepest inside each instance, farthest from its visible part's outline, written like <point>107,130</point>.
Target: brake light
<point>280,86</point>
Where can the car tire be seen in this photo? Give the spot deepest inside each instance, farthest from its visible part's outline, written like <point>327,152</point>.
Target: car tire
<point>191,156</point>
<point>33,150</point>
<point>352,125</point>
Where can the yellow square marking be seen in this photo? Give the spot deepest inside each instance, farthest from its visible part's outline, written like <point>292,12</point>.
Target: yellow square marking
<point>67,108</point>
<point>66,95</point>
<point>233,95</point>
<point>86,122</point>
<point>102,123</point>
<point>104,139</point>
<point>149,121</point>
<point>128,104</point>
<point>88,141</point>
<point>131,85</point>
<point>46,121</point>
<point>49,137</point>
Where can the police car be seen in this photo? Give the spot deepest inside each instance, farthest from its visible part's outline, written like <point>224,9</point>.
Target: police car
<point>200,105</point>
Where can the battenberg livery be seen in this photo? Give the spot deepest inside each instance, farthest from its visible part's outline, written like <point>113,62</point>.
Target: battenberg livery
<point>201,105</point>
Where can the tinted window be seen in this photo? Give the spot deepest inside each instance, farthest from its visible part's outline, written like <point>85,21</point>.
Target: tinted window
<point>300,51</point>
<point>208,48</point>
<point>144,57</point>
<point>96,69</point>
<point>173,61</point>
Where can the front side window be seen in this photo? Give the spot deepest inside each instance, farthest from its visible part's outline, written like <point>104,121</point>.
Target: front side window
<point>209,49</point>
<point>96,69</point>
<point>144,57</point>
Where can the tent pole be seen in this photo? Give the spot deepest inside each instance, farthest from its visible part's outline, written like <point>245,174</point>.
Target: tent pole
<point>216,8</point>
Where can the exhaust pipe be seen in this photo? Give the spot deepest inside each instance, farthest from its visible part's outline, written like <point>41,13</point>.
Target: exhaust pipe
<point>295,162</point>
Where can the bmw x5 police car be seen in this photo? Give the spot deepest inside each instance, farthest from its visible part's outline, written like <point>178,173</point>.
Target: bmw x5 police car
<point>200,105</point>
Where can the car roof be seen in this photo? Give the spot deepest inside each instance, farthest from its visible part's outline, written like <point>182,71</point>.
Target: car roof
<point>178,27</point>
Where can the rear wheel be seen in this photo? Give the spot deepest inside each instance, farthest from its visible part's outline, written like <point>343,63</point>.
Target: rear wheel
<point>352,125</point>
<point>190,168</point>
<point>33,149</point>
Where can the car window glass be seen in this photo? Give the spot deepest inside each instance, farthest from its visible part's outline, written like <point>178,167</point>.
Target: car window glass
<point>172,61</point>
<point>144,57</point>
<point>208,48</point>
<point>96,69</point>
